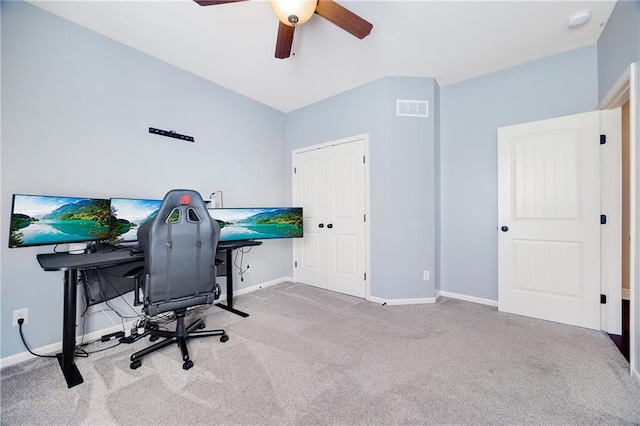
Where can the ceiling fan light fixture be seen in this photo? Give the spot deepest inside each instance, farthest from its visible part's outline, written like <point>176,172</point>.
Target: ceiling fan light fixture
<point>292,12</point>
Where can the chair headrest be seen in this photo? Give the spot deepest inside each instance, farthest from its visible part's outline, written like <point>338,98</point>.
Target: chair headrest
<point>181,197</point>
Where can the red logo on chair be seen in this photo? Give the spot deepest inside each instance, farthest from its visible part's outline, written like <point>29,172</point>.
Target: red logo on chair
<point>185,199</point>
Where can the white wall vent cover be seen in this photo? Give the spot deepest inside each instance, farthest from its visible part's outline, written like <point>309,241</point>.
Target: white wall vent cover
<point>411,108</point>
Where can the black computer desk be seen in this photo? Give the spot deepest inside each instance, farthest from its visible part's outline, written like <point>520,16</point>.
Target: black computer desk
<point>229,247</point>
<point>70,264</point>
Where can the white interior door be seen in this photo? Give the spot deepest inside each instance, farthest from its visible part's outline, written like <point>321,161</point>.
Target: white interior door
<point>309,191</point>
<point>330,184</point>
<point>345,228</point>
<point>549,220</point>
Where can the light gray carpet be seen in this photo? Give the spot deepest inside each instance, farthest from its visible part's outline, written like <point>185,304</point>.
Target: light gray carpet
<point>307,356</point>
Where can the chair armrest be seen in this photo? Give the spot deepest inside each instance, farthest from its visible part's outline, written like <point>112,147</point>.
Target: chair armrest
<point>135,274</point>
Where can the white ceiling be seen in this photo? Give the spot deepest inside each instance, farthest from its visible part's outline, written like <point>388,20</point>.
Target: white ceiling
<point>233,44</point>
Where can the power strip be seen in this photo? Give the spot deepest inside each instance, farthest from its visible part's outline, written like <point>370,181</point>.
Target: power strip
<point>132,338</point>
<point>138,333</point>
<point>112,336</point>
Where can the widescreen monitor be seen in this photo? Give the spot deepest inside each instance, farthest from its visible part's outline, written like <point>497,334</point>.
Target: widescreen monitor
<point>127,214</point>
<point>261,223</point>
<point>43,219</point>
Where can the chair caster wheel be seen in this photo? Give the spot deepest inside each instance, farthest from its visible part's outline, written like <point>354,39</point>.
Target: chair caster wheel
<point>224,338</point>
<point>187,365</point>
<point>135,364</point>
<point>153,338</point>
<point>201,326</point>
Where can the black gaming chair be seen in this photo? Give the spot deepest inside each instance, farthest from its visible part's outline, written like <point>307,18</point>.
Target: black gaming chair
<point>179,271</point>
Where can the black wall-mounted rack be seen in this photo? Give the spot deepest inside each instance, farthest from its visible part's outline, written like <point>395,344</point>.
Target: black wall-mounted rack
<point>171,134</point>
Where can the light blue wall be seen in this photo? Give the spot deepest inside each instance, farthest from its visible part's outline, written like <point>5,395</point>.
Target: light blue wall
<point>471,111</point>
<point>618,45</point>
<point>76,108</point>
<point>402,175</point>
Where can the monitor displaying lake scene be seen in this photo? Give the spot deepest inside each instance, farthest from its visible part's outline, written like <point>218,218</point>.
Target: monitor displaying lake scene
<point>261,223</point>
<point>127,214</point>
<point>43,219</point>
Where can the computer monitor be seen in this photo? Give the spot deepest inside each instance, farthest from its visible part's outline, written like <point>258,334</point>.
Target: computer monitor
<point>258,223</point>
<point>43,219</point>
<point>127,214</point>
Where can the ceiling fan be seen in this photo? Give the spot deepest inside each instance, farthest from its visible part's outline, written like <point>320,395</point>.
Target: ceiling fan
<point>293,13</point>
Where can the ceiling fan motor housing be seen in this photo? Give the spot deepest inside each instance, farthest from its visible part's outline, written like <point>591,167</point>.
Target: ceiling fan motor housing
<point>301,10</point>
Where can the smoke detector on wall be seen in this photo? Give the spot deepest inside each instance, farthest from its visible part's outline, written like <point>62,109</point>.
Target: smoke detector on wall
<point>579,18</point>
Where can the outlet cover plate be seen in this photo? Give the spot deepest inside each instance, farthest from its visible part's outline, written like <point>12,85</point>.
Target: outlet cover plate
<point>20,313</point>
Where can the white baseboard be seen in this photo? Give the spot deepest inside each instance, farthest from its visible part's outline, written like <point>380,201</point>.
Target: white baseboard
<point>439,294</point>
<point>94,335</point>
<point>55,348</point>
<point>636,375</point>
<point>466,298</point>
<point>416,301</point>
<point>259,286</point>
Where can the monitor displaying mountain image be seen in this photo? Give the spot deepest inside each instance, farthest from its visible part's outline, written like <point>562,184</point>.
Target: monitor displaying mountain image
<point>127,214</point>
<point>262,223</point>
<point>42,219</point>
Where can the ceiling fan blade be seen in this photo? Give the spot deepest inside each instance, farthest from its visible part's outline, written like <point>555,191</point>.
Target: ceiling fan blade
<point>345,19</point>
<point>285,41</point>
<point>215,2</point>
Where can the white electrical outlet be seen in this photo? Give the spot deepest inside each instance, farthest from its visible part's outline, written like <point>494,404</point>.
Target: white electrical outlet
<point>20,313</point>
<point>425,275</point>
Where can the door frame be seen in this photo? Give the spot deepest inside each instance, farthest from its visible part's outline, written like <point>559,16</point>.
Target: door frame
<point>367,201</point>
<point>626,88</point>
<point>611,233</point>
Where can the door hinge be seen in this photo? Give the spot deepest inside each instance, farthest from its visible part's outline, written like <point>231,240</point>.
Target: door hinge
<point>603,219</point>
<point>295,264</point>
<point>603,299</point>
<point>365,217</point>
<point>294,170</point>
<point>603,139</point>
<point>364,161</point>
<point>365,276</point>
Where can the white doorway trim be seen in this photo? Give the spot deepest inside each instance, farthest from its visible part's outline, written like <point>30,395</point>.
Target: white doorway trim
<point>624,89</point>
<point>611,231</point>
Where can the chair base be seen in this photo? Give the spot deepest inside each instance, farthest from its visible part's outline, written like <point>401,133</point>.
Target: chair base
<point>180,336</point>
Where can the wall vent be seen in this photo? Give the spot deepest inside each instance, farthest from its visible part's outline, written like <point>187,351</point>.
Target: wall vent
<point>412,108</point>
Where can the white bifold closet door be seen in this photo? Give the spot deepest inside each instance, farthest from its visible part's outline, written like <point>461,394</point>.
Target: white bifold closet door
<point>329,183</point>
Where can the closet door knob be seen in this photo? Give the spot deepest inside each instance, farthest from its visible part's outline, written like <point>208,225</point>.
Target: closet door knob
<point>330,225</point>
<point>504,228</point>
<point>321,225</point>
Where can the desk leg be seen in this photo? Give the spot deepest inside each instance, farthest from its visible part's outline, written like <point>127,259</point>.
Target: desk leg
<point>66,358</point>
<point>229,305</point>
